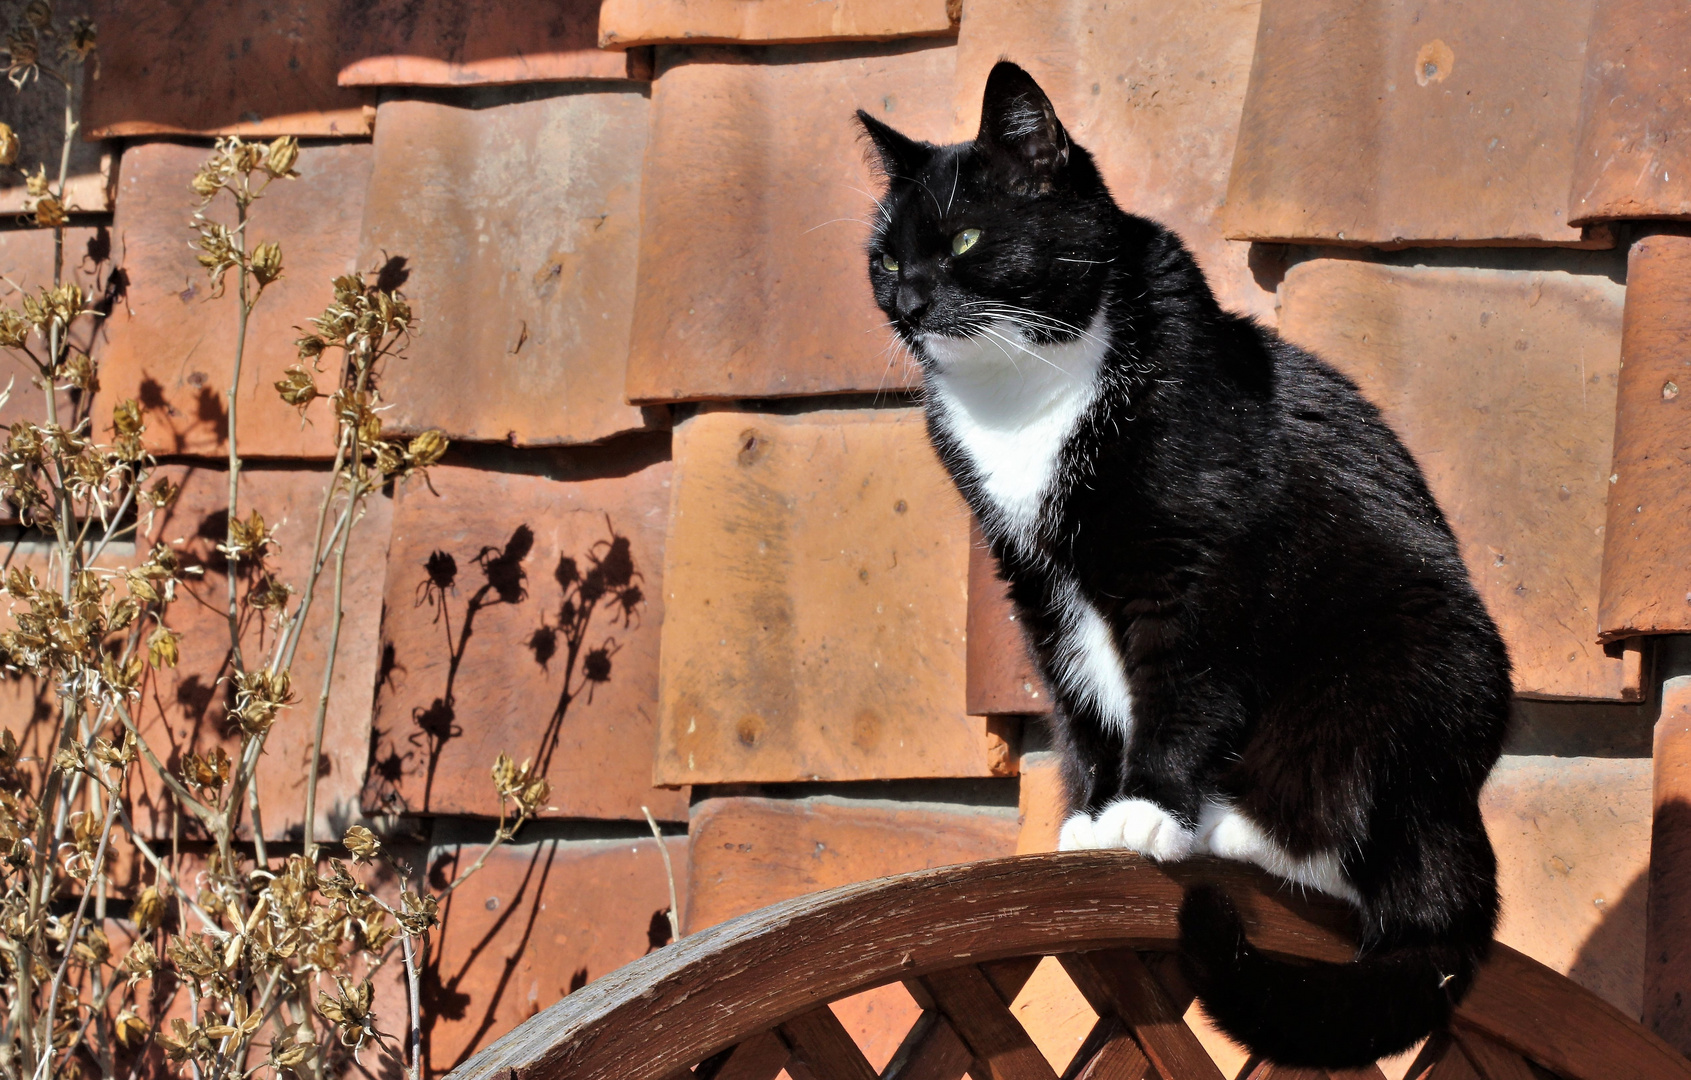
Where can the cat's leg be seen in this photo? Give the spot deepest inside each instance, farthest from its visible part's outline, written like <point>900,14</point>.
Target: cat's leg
<point>1181,724</point>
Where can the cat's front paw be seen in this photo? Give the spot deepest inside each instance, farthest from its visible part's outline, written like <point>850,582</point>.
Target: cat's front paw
<point>1078,834</point>
<point>1143,826</point>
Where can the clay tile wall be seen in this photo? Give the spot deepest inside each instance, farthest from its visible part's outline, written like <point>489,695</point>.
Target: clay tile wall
<point>691,552</point>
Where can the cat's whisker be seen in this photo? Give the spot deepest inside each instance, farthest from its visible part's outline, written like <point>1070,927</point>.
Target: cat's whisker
<point>836,221</point>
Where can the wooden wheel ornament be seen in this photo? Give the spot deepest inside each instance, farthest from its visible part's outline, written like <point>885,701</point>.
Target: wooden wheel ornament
<point>743,1000</point>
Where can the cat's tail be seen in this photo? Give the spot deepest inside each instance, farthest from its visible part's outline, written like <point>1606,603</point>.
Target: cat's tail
<point>1318,1015</point>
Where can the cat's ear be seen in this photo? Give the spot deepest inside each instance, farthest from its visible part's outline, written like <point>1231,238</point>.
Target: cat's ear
<point>898,154</point>
<point>1019,128</point>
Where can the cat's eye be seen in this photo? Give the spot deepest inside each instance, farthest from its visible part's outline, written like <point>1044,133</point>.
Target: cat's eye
<point>889,264</point>
<point>965,240</point>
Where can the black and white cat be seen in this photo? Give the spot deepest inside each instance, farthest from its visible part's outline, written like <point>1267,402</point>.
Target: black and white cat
<point>1260,637</point>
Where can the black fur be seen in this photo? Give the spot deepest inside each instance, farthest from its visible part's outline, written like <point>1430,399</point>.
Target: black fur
<point>1299,633</point>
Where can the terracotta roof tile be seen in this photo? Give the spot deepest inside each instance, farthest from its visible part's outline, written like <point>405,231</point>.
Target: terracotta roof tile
<point>650,22</point>
<point>746,853</point>
<point>523,617</point>
<point>185,708</point>
<point>540,920</point>
<point>1502,383</point>
<point>249,67</point>
<point>1387,121</point>
<point>816,592</point>
<point>172,346</point>
<point>1647,548</point>
<point>466,42</point>
<point>26,262</point>
<point>37,115</point>
<point>516,213</point>
<point>1156,96</point>
<point>1633,160</point>
<point>755,205</point>
<point>1001,676</point>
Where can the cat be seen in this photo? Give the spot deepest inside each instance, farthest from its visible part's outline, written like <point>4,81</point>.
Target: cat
<point>1259,634</point>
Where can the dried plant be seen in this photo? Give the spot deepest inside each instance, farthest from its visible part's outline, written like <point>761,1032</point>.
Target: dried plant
<point>241,961</point>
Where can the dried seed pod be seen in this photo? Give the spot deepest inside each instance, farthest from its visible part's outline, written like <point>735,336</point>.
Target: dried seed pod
<point>280,156</point>
<point>427,448</point>
<point>8,145</point>
<point>267,263</point>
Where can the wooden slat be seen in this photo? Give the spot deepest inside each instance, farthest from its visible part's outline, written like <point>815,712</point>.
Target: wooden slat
<point>1492,1060</point>
<point>761,1057</point>
<point>986,1024</point>
<point>823,1049</point>
<point>931,1051</point>
<point>1453,1064</point>
<point>1109,1053</point>
<point>1559,1024</point>
<point>1009,976</point>
<point>1265,1070</point>
<point>1117,981</point>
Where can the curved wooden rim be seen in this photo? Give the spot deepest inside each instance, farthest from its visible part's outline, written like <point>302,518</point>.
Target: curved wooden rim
<point>709,991</point>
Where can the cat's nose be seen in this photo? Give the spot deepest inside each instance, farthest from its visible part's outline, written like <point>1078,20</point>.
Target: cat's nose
<point>913,302</point>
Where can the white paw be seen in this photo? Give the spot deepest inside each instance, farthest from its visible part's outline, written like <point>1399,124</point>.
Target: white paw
<point>1234,836</point>
<point>1077,834</point>
<point>1143,826</point>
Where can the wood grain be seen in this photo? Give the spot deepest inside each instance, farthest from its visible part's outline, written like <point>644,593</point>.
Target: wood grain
<point>1109,1053</point>
<point>823,1049</point>
<point>761,1057</point>
<point>986,1024</point>
<point>715,989</point>
<point>931,1051</point>
<point>1490,1060</point>
<point>1117,981</point>
<point>1561,1025</point>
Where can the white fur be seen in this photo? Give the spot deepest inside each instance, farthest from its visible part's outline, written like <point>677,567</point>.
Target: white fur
<point>1135,824</point>
<point>1089,665</point>
<point>1012,404</point>
<point>1143,826</point>
<point>1232,835</point>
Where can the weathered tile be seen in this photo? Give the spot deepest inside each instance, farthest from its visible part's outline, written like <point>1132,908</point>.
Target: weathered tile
<point>1647,548</point>
<point>469,42</point>
<point>250,67</point>
<point>26,265</point>
<point>748,852</point>
<point>1572,837</point>
<point>1667,953</point>
<point>1153,89</point>
<point>523,613</point>
<point>524,289</point>
<point>540,920</point>
<point>185,707</point>
<point>814,603</point>
<point>171,344</point>
<point>1395,121</point>
<point>755,205</point>
<point>1502,384</point>
<point>651,22</point>
<point>1632,160</point>
<point>37,115</point>
<point>1001,674</point>
<point>1043,804</point>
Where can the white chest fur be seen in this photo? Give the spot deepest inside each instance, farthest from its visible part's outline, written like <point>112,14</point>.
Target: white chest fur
<point>1012,405</point>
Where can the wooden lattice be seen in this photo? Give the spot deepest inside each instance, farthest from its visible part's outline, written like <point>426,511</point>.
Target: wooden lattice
<point>746,999</point>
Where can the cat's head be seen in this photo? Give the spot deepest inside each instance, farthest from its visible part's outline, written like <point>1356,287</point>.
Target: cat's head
<point>1010,231</point>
